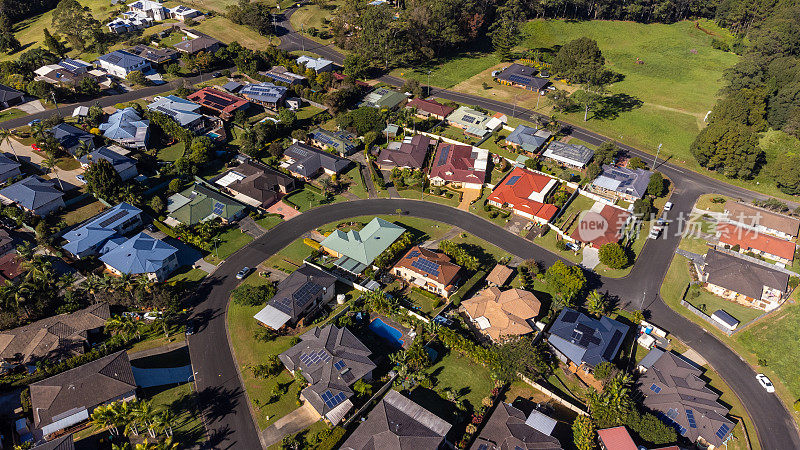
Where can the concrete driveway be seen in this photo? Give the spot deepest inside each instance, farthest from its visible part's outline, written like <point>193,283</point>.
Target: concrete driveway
<point>591,257</point>
<point>299,419</point>
<point>27,154</point>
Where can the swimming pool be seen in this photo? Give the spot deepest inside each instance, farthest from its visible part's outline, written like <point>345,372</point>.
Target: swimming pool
<point>387,332</point>
<point>213,135</point>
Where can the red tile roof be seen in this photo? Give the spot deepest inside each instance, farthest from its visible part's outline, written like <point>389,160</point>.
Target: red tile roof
<point>517,186</point>
<point>217,100</point>
<point>749,239</point>
<point>447,271</point>
<point>615,218</point>
<point>616,438</point>
<point>456,163</point>
<point>430,107</point>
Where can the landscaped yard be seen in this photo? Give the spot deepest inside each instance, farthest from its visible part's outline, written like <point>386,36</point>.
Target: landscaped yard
<point>290,257</point>
<point>569,217</point>
<point>305,199</point>
<point>187,274</point>
<point>269,222</point>
<point>416,194</point>
<point>356,185</point>
<point>231,240</point>
<point>708,302</point>
<point>171,153</point>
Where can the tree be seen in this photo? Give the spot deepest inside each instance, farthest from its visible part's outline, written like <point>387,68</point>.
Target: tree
<point>287,117</point>
<point>656,185</point>
<point>8,42</point>
<point>613,255</point>
<point>596,304</point>
<point>173,69</point>
<point>137,77</point>
<point>102,180</point>
<point>745,106</point>
<point>413,86</point>
<point>643,207</point>
<point>583,433</point>
<point>157,204</point>
<point>785,171</point>
<point>636,163</point>
<point>579,60</point>
<point>53,44</point>
<point>75,22</point>
<point>568,282</point>
<point>88,86</point>
<point>729,148</point>
<point>175,185</point>
<point>250,295</point>
<point>362,388</point>
<point>355,66</point>
<point>5,136</point>
<point>51,163</point>
<point>604,371</point>
<point>201,150</point>
<point>504,31</point>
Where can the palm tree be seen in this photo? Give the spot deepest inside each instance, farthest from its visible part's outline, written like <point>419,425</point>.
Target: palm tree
<point>122,446</point>
<point>5,135</point>
<point>38,269</point>
<point>144,412</point>
<point>163,422</point>
<point>596,304</point>
<point>123,325</point>
<point>25,251</point>
<point>51,162</point>
<point>37,130</point>
<point>82,150</point>
<point>103,417</point>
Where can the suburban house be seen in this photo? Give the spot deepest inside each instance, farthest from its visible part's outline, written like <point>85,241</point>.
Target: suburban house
<point>616,438</point>
<point>397,423</point>
<point>597,228</point>
<point>200,203</point>
<point>744,282</point>
<point>128,22</point>
<point>124,165</point>
<point>153,10</point>
<point>157,57</point>
<point>54,338</point>
<point>306,162</point>
<point>357,250</point>
<point>459,165</point>
<point>526,193</point>
<point>318,65</point>
<point>282,75</point>
<point>748,240</point>
<point>219,102</point>
<point>410,153</point>
<point>575,156</point>
<point>621,183</point>
<point>88,238</point>
<point>503,314</point>
<point>120,63</point>
<point>71,138</point>
<point>298,295</point>
<point>68,72</point>
<point>474,122</point>
<point>256,184</point>
<point>265,94</point>
<point>70,397</point>
<point>64,442</point>
<point>10,267</point>
<point>528,138</point>
<point>509,429</point>
<point>383,98</point>
<point>499,276</point>
<point>8,168</point>
<point>429,270</point>
<point>582,342</point>
<point>673,388</point>
<point>521,76</point>
<point>429,108</point>
<point>34,194</point>
<point>140,255</point>
<point>182,13</point>
<point>331,359</point>
<point>6,242</point>
<point>232,87</point>
<point>10,97</point>
<point>199,43</point>
<point>127,128</point>
<point>184,112</point>
<point>342,142</point>
<point>761,220</point>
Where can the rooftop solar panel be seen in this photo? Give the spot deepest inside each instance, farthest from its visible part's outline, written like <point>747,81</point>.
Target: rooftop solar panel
<point>612,345</point>
<point>690,418</point>
<point>443,156</point>
<point>118,215</point>
<point>426,266</point>
<point>413,254</point>
<point>513,180</point>
<point>655,388</point>
<point>723,430</point>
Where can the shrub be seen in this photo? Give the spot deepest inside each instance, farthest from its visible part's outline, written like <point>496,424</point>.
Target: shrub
<point>613,255</point>
<point>794,282</point>
<point>561,245</point>
<point>719,44</point>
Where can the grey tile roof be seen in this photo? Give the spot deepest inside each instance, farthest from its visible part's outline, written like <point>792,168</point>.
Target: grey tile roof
<point>70,137</point>
<point>183,111</point>
<point>740,275</point>
<point>624,180</point>
<point>260,182</point>
<point>7,164</point>
<point>62,443</point>
<point>297,293</point>
<point>584,339</point>
<point>673,388</point>
<point>7,94</point>
<point>309,160</point>
<point>579,155</point>
<point>264,92</point>
<point>154,55</point>
<point>319,355</point>
<point>527,138</point>
<point>89,385</point>
<point>32,192</point>
<point>397,423</point>
<point>121,163</point>
<point>506,429</point>
<point>126,127</point>
<point>121,58</point>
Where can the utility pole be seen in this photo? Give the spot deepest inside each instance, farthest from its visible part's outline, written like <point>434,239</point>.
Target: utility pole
<point>656,158</point>
<point>641,305</point>
<point>54,101</point>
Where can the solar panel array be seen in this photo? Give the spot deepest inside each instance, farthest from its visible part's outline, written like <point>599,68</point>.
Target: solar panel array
<point>284,304</point>
<point>682,430</point>
<point>332,400</point>
<point>723,430</point>
<point>690,418</point>
<point>305,294</point>
<point>426,266</point>
<point>443,156</point>
<point>655,388</point>
<point>672,414</point>
<point>513,180</point>
<point>519,79</point>
<point>468,119</point>
<point>112,219</point>
<point>309,359</point>
<point>218,208</point>
<point>339,365</point>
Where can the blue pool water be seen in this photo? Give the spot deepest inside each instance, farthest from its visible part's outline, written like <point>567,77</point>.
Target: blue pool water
<point>387,332</point>
<point>213,135</point>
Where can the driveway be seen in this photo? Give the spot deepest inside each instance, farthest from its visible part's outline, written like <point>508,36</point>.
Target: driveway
<point>31,107</point>
<point>284,210</point>
<point>27,154</point>
<point>160,376</point>
<point>468,196</point>
<point>299,419</point>
<point>591,257</point>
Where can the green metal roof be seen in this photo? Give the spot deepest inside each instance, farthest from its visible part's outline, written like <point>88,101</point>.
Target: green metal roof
<point>205,204</point>
<point>365,245</point>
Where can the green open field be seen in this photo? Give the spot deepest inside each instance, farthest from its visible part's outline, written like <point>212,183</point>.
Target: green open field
<point>447,72</point>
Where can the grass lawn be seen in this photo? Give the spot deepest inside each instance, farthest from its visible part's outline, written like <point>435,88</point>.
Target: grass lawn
<point>172,153</point>
<point>415,194</point>
<point>231,240</point>
<point>548,241</point>
<point>307,112</point>
<point>356,185</point>
<point>83,210</point>
<point>313,16</point>
<point>451,70</point>
<point>187,274</point>
<point>68,163</point>
<point>706,202</point>
<point>222,28</point>
<point>305,199</point>
<point>694,245</point>
<point>187,427</point>
<point>698,297</point>
<point>728,397</point>
<point>290,257</point>
<point>11,113</point>
<point>469,239</point>
<point>568,218</point>
<point>422,301</point>
<point>269,222</point>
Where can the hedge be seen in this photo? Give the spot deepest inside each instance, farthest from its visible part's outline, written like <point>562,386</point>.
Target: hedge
<point>332,441</point>
<point>312,243</point>
<point>467,287</point>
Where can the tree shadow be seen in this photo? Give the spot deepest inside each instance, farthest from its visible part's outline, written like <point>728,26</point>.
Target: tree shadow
<point>612,106</point>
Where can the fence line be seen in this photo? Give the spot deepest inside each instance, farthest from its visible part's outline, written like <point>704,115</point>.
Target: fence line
<point>554,396</point>
<point>706,317</point>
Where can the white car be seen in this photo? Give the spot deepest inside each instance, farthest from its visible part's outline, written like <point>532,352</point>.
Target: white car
<point>667,206</point>
<point>765,383</point>
<point>242,273</point>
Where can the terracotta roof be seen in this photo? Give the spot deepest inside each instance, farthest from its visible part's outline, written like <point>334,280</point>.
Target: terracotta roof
<point>217,100</point>
<point>749,239</point>
<point>499,275</point>
<point>10,266</point>
<point>517,188</point>
<point>616,438</point>
<point>446,272</point>
<point>430,107</point>
<point>457,163</point>
<point>753,216</point>
<point>507,312</point>
<point>615,218</point>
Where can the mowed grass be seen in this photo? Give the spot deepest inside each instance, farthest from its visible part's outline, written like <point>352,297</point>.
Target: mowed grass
<point>222,28</point>
<point>448,72</point>
<point>678,69</point>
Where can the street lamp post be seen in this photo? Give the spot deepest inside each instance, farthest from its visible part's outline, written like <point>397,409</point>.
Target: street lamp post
<point>656,158</point>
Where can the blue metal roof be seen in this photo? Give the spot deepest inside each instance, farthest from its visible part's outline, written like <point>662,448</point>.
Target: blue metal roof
<point>92,234</point>
<point>139,254</point>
